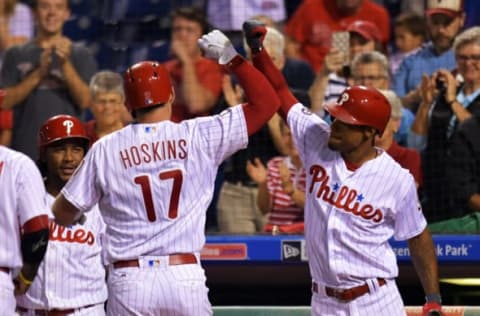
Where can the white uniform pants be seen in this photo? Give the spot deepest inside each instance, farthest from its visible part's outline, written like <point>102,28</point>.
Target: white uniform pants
<point>177,290</point>
<point>7,299</point>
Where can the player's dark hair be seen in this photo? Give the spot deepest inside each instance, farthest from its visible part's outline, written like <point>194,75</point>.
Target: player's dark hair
<point>193,14</point>
<point>143,111</point>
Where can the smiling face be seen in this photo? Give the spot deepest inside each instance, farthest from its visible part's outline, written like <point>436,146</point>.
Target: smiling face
<point>107,108</point>
<point>63,157</point>
<point>468,62</point>
<point>51,15</point>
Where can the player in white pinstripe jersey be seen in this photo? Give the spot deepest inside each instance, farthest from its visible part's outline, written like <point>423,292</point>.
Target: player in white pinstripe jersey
<point>154,181</point>
<point>22,205</point>
<point>71,278</point>
<point>357,198</point>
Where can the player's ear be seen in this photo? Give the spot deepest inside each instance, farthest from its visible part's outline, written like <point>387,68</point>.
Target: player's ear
<point>172,96</point>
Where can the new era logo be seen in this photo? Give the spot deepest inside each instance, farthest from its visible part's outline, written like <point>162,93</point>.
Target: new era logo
<point>291,250</point>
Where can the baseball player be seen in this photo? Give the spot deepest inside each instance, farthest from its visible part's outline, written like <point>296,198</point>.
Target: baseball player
<point>22,206</point>
<point>71,278</point>
<point>357,198</point>
<point>154,180</point>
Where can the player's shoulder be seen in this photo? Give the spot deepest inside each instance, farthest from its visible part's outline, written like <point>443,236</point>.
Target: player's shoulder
<point>10,155</point>
<point>391,167</point>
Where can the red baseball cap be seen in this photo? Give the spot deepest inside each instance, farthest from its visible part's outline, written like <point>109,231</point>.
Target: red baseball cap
<point>366,29</point>
<point>451,8</point>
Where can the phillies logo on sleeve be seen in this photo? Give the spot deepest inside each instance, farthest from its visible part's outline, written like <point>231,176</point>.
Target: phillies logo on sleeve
<point>342,197</point>
<point>68,125</point>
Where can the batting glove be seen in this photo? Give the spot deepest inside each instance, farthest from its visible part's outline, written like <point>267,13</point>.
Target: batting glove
<point>217,46</point>
<point>432,309</point>
<point>254,32</point>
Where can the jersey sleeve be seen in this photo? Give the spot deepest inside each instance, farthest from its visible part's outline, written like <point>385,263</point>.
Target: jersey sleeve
<point>308,129</point>
<point>223,134</point>
<point>82,190</point>
<point>31,191</point>
<point>409,220</point>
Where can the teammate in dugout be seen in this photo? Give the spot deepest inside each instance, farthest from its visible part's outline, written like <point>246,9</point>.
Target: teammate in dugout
<point>357,198</point>
<point>154,180</point>
<point>71,278</point>
<point>22,206</point>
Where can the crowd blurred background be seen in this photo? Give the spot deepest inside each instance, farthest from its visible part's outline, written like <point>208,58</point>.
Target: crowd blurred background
<point>66,57</point>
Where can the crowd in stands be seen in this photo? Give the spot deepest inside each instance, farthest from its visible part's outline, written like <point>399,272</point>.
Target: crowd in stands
<point>67,57</point>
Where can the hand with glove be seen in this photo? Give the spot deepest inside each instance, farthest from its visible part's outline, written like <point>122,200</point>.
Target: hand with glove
<point>217,46</point>
<point>254,32</point>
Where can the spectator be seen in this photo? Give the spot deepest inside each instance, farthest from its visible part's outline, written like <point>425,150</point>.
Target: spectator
<point>108,105</point>
<point>410,32</point>
<point>310,28</point>
<point>445,104</point>
<point>371,70</point>
<point>197,80</point>
<point>331,80</point>
<point>464,175</point>
<point>16,27</point>
<point>46,76</point>
<point>16,24</point>
<point>408,158</point>
<point>281,188</point>
<point>444,19</point>
<point>237,209</point>
<point>63,144</point>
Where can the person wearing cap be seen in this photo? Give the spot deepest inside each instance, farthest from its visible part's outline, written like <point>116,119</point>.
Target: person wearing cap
<point>444,19</point>
<point>357,198</point>
<point>310,28</point>
<point>71,278</point>
<point>364,36</point>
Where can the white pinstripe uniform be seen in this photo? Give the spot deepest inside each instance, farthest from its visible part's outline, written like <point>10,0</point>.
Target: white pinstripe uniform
<point>23,197</point>
<point>153,183</point>
<point>72,274</point>
<point>349,218</point>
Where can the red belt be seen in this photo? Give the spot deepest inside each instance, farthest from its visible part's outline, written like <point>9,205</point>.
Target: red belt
<point>347,294</point>
<point>52,312</point>
<point>175,259</point>
<point>4,269</point>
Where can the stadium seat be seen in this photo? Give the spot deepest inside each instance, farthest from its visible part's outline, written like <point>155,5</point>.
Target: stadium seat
<point>81,28</point>
<point>85,7</point>
<point>121,9</point>
<point>158,50</point>
<point>112,56</point>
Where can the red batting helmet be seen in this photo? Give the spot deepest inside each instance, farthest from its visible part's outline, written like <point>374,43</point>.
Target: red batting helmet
<point>146,84</point>
<point>359,105</point>
<point>61,127</point>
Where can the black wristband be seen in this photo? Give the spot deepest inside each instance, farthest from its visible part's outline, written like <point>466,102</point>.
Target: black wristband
<point>434,297</point>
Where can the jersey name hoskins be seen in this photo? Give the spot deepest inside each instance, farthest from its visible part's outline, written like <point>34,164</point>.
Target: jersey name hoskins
<point>343,198</point>
<point>63,234</point>
<point>153,152</point>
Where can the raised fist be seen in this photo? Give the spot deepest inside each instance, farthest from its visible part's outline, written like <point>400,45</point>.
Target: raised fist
<point>432,309</point>
<point>254,32</point>
<point>216,45</point>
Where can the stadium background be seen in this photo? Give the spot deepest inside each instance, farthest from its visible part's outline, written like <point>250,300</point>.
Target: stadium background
<point>122,32</point>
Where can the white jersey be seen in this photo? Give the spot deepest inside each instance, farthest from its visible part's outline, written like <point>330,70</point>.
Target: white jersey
<point>72,274</point>
<point>23,198</point>
<point>351,215</point>
<point>154,182</point>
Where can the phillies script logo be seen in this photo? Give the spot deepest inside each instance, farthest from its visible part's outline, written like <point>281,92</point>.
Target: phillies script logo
<point>343,197</point>
<point>63,234</point>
